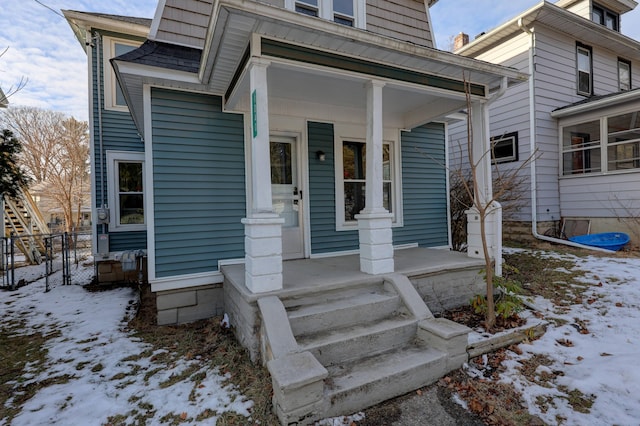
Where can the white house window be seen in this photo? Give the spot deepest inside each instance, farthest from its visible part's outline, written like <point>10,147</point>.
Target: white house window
<point>353,185</point>
<point>113,96</point>
<point>126,190</point>
<point>623,142</point>
<point>581,153</point>
<point>586,151</point>
<point>624,75</point>
<point>504,148</point>
<point>346,12</point>
<point>605,17</point>
<point>584,70</point>
<point>308,7</point>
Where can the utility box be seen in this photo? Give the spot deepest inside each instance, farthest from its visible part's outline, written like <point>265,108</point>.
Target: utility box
<point>103,245</point>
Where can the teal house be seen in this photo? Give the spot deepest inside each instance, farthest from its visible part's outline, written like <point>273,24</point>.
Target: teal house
<point>254,148</point>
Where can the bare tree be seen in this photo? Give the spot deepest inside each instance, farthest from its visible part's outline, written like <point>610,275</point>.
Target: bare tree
<point>55,153</point>
<point>68,176</point>
<point>40,131</point>
<point>12,89</point>
<point>485,204</point>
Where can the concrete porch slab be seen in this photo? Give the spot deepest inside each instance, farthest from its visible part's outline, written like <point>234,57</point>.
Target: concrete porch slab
<point>311,275</point>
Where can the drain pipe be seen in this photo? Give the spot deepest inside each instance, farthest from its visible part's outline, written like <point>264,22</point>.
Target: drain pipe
<point>497,246</point>
<point>532,142</point>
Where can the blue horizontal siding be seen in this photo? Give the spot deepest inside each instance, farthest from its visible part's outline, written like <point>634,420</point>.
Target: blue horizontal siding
<point>198,182</point>
<point>118,134</point>
<point>324,237</point>
<point>424,188</point>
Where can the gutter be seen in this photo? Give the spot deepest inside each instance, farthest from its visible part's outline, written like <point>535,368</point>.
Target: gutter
<point>532,142</point>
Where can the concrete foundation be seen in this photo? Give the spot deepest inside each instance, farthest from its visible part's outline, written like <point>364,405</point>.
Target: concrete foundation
<point>182,306</point>
<point>110,271</point>
<point>449,289</point>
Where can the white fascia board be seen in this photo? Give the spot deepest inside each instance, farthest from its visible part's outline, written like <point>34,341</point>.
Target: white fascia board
<point>156,72</point>
<point>594,105</point>
<point>90,21</point>
<point>157,17</point>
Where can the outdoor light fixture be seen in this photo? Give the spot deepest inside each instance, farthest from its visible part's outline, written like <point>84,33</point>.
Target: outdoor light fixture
<point>320,155</point>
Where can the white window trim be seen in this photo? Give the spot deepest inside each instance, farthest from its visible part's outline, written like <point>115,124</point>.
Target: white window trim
<point>514,143</point>
<point>628,65</point>
<point>325,11</point>
<point>394,142</point>
<point>580,48</point>
<point>114,157</point>
<point>109,75</point>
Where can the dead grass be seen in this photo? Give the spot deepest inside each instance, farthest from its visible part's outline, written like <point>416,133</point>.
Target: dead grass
<point>23,356</point>
<point>214,347</point>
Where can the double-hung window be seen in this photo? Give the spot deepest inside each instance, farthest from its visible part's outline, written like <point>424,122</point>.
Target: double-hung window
<point>345,12</point>
<point>584,70</point>
<point>352,185</point>
<point>624,75</point>
<point>126,190</point>
<point>603,16</point>
<point>113,95</point>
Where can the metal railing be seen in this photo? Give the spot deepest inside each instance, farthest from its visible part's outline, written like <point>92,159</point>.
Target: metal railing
<point>66,259</point>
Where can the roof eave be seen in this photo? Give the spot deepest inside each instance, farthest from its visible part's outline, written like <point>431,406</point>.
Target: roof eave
<point>81,22</point>
<point>597,104</point>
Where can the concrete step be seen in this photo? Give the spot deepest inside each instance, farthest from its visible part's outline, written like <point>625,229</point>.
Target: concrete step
<point>325,295</point>
<point>362,383</point>
<point>365,306</point>
<point>345,344</point>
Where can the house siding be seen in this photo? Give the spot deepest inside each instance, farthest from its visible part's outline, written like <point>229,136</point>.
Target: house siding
<point>424,188</point>
<point>118,134</point>
<point>185,22</point>
<point>324,237</point>
<point>405,20</point>
<point>198,182</point>
<point>611,196</point>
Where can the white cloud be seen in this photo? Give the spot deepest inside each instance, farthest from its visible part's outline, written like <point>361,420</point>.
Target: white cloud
<point>43,49</point>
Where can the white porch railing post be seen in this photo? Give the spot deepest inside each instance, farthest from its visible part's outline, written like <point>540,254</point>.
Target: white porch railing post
<point>374,222</point>
<point>481,157</point>
<point>262,227</point>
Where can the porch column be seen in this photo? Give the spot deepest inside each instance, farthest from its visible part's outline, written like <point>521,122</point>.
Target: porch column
<point>262,227</point>
<point>374,222</point>
<point>481,157</point>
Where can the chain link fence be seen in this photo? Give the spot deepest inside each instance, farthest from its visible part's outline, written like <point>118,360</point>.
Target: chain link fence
<point>54,259</point>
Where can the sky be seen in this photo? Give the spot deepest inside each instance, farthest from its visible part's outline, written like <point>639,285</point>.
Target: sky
<point>592,345</point>
<point>43,49</point>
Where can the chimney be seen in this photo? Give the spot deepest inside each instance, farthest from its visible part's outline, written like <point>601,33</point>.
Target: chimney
<point>460,40</point>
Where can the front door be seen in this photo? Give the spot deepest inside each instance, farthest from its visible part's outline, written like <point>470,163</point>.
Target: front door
<point>287,195</point>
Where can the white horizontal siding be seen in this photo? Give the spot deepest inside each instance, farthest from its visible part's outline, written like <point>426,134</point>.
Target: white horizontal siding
<point>611,196</point>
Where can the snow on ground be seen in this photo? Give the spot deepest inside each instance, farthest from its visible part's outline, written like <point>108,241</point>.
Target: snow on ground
<point>596,346</point>
<point>111,372</point>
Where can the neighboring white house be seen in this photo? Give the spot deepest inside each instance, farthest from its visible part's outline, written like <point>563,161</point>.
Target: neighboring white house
<point>582,100</point>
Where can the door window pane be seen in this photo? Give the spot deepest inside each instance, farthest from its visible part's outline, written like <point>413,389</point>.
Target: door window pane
<point>281,172</point>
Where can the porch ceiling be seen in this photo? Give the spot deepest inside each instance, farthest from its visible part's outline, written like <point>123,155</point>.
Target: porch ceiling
<point>405,106</point>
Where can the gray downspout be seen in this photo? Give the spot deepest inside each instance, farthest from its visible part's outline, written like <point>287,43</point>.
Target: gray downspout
<point>532,141</point>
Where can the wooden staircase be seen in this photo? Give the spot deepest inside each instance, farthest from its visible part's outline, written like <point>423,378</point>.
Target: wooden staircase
<point>23,220</point>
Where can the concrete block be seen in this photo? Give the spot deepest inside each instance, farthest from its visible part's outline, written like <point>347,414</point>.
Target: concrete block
<point>262,228</point>
<point>276,328</point>
<point>194,313</point>
<point>298,380</point>
<point>379,251</point>
<point>263,265</point>
<point>303,416</point>
<point>263,283</point>
<point>268,246</point>
<point>444,335</point>
<point>377,236</point>
<point>167,317</point>
<point>376,267</point>
<point>179,299</point>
